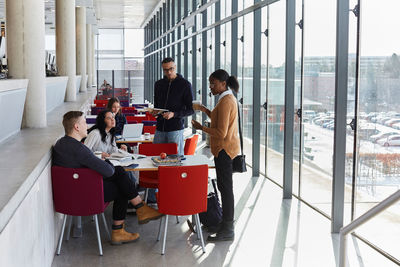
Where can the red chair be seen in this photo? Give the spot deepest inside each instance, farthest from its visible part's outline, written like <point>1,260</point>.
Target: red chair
<point>149,179</point>
<point>138,119</point>
<point>128,110</point>
<point>78,192</point>
<point>182,190</point>
<point>149,129</point>
<point>131,119</point>
<point>190,145</point>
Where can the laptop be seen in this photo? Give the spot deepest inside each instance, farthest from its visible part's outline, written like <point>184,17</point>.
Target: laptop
<point>132,130</point>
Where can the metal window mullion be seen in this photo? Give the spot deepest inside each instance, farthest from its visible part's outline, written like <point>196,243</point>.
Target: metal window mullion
<point>185,44</point>
<point>289,98</point>
<point>339,145</point>
<point>234,40</point>
<point>256,92</point>
<point>217,31</point>
<point>173,23</point>
<point>194,63</point>
<point>204,64</point>
<point>179,50</point>
<point>164,28</point>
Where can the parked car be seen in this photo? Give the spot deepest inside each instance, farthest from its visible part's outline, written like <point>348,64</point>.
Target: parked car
<point>393,140</point>
<point>374,138</point>
<point>391,122</point>
<point>396,126</point>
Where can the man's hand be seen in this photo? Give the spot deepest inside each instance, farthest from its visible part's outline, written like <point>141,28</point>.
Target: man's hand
<point>124,147</point>
<point>168,115</point>
<point>197,125</point>
<point>153,112</point>
<point>104,155</point>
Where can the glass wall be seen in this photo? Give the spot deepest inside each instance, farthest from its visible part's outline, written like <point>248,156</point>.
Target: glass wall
<point>377,78</point>
<point>276,90</point>
<point>246,89</point>
<point>318,102</point>
<point>378,122</point>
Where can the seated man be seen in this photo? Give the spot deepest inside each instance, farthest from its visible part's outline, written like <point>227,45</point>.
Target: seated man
<point>69,152</point>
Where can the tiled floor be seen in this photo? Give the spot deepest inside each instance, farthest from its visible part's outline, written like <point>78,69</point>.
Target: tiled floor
<point>269,232</point>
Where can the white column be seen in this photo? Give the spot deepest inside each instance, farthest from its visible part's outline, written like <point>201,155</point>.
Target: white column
<point>81,45</point>
<point>26,55</point>
<point>65,50</point>
<point>89,55</point>
<point>94,73</point>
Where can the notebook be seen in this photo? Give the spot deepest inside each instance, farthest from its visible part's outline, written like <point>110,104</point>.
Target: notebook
<point>132,130</point>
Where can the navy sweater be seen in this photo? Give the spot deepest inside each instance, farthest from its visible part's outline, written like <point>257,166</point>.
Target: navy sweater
<point>70,153</point>
<point>176,96</point>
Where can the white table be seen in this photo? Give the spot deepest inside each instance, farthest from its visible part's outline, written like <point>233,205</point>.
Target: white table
<point>146,164</point>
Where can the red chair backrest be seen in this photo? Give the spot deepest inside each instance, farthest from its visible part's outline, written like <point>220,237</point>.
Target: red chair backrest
<point>149,129</point>
<point>150,117</point>
<point>77,192</point>
<point>190,145</point>
<point>128,110</point>
<point>138,119</point>
<point>131,119</point>
<point>157,149</point>
<point>182,190</point>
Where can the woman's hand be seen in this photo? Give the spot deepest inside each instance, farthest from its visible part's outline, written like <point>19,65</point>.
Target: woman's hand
<point>124,147</point>
<point>104,155</point>
<point>203,108</point>
<point>197,125</point>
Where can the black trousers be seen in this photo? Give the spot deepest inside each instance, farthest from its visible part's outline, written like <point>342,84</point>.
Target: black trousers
<point>223,167</point>
<point>119,188</point>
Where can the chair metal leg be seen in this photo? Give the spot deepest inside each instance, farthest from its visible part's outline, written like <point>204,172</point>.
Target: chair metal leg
<point>98,235</point>
<point>105,225</point>
<point>146,194</point>
<point>71,218</point>
<point>61,235</point>
<point>165,235</point>
<point>177,219</point>
<point>159,229</point>
<point>200,232</point>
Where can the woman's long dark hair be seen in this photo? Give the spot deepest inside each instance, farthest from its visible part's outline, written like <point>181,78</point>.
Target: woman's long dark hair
<point>101,126</point>
<point>111,102</point>
<point>222,76</point>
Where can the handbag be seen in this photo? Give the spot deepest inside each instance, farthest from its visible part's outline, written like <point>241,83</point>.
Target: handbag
<point>239,162</point>
<point>213,215</point>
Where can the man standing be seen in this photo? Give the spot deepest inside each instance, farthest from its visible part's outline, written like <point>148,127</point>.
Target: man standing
<point>173,93</point>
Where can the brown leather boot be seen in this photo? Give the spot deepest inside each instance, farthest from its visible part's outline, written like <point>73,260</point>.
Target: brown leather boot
<point>146,214</point>
<point>121,236</point>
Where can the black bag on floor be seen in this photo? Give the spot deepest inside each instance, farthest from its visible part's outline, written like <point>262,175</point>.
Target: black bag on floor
<point>213,215</point>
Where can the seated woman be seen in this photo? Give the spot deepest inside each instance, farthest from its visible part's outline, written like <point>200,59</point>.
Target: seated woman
<point>115,106</point>
<point>69,152</point>
<point>101,136</point>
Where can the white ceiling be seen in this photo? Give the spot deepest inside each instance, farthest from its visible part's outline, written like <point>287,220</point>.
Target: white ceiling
<point>108,13</point>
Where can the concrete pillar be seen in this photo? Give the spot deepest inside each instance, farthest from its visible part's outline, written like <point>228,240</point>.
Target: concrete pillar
<point>26,55</point>
<point>81,45</point>
<point>89,55</point>
<point>94,76</point>
<point>65,51</point>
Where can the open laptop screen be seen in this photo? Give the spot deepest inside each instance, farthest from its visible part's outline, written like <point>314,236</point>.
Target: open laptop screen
<point>132,130</point>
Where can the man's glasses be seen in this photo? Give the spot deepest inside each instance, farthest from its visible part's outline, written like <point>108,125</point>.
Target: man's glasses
<point>168,70</point>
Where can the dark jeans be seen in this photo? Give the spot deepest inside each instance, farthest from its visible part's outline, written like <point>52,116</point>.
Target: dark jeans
<point>223,167</point>
<point>119,188</point>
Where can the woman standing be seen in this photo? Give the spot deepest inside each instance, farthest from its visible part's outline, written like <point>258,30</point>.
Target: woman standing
<point>224,144</point>
<point>115,106</point>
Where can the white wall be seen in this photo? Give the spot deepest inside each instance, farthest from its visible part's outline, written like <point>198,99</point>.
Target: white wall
<point>30,237</point>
